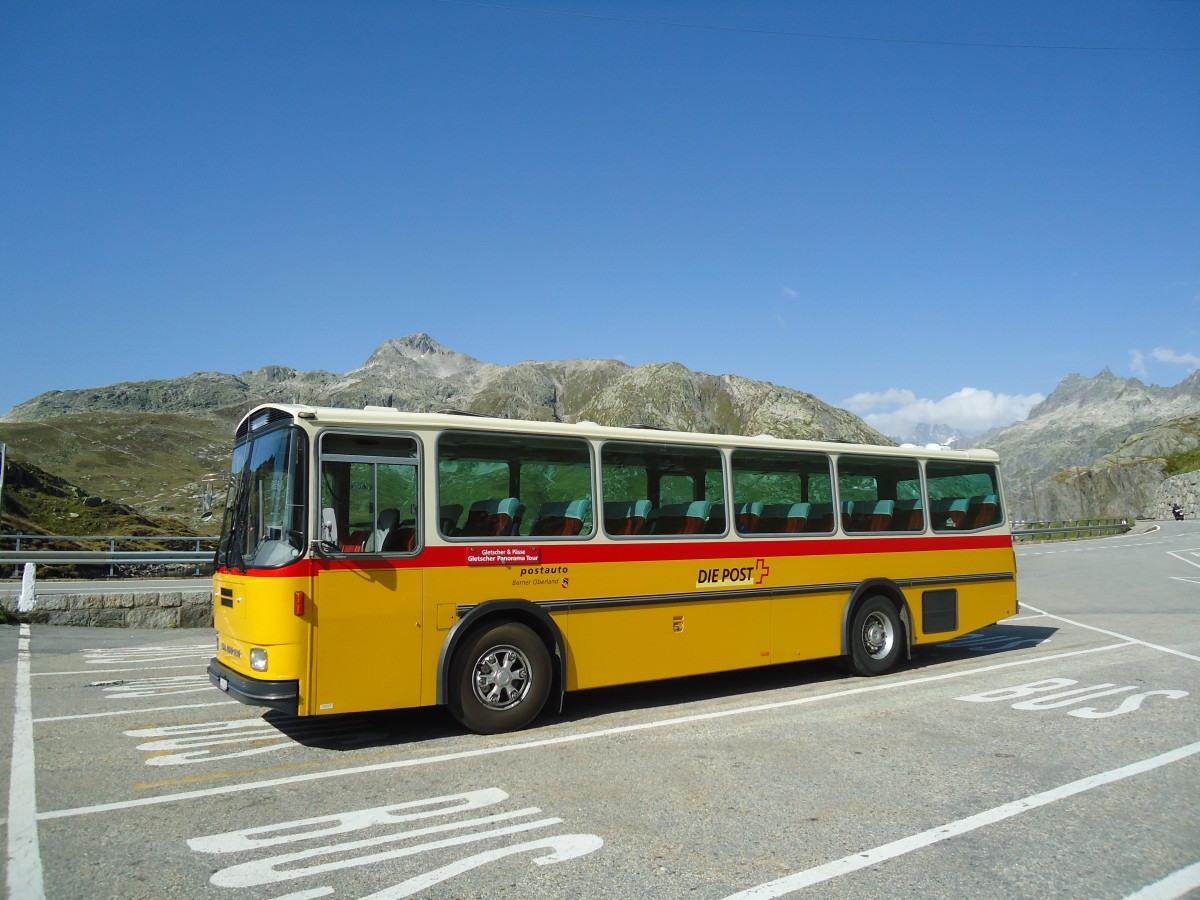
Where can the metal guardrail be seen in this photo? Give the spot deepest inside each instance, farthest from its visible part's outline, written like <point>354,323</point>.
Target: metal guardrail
<point>110,556</point>
<point>1062,530</point>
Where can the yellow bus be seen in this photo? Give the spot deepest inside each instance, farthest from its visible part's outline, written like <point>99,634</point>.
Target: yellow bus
<point>375,559</point>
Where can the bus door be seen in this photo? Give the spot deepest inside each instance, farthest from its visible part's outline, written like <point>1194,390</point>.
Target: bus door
<point>367,584</point>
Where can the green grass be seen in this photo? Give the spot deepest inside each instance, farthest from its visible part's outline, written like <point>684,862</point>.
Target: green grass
<point>150,463</point>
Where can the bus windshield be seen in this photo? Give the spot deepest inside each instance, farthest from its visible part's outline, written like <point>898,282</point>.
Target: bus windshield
<point>265,517</point>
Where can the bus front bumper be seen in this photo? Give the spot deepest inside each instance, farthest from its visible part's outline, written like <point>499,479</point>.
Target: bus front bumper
<point>281,695</point>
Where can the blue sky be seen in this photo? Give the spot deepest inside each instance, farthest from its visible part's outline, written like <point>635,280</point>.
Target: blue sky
<point>934,207</point>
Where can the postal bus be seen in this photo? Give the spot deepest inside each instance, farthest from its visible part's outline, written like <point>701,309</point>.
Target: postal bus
<point>374,559</point>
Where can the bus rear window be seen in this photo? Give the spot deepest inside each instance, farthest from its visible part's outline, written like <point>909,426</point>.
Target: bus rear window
<point>963,495</point>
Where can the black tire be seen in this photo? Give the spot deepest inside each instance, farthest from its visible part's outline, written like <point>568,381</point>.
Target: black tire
<point>500,679</point>
<point>876,637</point>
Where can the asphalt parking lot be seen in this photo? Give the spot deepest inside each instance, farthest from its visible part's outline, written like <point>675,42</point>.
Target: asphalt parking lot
<point>1055,753</point>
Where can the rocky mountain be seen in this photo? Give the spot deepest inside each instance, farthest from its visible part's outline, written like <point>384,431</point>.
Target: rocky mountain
<point>148,443</point>
<point>1095,446</point>
<point>925,433</point>
<point>1075,429</point>
<point>417,373</point>
<point>1142,476</point>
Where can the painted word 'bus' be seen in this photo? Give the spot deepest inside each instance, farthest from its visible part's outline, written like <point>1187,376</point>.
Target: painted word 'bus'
<point>375,559</point>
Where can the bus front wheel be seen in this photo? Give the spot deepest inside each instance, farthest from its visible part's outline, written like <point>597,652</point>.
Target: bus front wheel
<point>500,679</point>
<point>876,637</point>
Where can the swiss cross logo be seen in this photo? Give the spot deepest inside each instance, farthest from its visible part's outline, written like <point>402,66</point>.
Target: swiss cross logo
<point>761,571</point>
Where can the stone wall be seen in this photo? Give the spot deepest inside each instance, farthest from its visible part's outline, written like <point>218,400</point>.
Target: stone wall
<point>141,609</point>
<point>1182,489</point>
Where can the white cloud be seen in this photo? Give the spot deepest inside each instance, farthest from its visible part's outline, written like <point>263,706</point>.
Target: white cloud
<point>970,410</point>
<point>1170,356</point>
<point>1138,360</point>
<point>867,401</point>
<point>1137,363</point>
<point>788,292</point>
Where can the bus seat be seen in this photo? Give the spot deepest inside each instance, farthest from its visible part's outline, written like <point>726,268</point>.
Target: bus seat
<point>748,514</point>
<point>562,518</point>
<point>949,512</point>
<point>491,518</point>
<point>448,517</point>
<point>908,516</point>
<point>402,539</point>
<point>518,517</point>
<point>783,518</point>
<point>355,541</point>
<point>982,511</point>
<point>388,521</point>
<point>820,518</point>
<point>716,519</point>
<point>626,516</point>
<point>868,515</point>
<point>680,518</point>
<point>745,517</point>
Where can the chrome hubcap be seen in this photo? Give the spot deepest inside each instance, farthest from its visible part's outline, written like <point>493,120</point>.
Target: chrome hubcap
<point>877,635</point>
<point>501,678</point>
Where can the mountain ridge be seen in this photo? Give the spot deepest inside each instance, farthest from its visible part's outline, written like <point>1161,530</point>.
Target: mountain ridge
<point>1081,421</point>
<point>416,373</point>
<point>147,444</point>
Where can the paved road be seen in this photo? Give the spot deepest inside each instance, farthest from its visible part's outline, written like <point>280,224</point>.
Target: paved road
<point>1056,754</point>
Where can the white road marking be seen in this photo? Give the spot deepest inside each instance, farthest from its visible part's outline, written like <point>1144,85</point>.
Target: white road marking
<point>153,687</point>
<point>1119,636</point>
<point>1174,885</point>
<point>193,667</point>
<point>129,712</point>
<point>1190,562</point>
<point>876,855</point>
<point>562,739</point>
<point>364,837</point>
<point>104,656</point>
<point>24,854</point>
<point>562,847</point>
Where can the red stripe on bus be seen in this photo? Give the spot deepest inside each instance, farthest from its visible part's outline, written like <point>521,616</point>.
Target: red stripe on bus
<point>455,556</point>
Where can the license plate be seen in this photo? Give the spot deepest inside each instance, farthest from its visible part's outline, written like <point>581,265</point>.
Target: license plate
<point>223,683</point>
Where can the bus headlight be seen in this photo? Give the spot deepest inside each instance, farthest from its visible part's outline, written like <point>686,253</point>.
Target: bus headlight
<point>258,659</point>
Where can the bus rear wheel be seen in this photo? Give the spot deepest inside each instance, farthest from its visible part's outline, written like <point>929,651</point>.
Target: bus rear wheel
<point>876,637</point>
<point>500,679</point>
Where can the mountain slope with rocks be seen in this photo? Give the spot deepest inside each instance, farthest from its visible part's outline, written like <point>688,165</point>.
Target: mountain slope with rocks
<point>416,373</point>
<point>1075,427</point>
<point>146,444</point>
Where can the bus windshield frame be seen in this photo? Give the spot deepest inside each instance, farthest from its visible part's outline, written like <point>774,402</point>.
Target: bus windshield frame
<point>266,512</point>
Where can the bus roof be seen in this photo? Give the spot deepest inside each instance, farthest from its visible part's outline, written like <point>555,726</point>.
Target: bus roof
<point>389,417</point>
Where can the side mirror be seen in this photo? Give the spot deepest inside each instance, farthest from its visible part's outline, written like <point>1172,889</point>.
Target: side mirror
<point>329,532</point>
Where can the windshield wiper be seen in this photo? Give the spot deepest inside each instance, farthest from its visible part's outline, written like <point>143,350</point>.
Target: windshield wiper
<point>238,511</point>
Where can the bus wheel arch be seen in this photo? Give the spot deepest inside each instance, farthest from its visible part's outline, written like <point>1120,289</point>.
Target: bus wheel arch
<point>877,628</point>
<point>500,664</point>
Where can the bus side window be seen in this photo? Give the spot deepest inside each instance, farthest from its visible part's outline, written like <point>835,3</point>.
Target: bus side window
<point>662,490</point>
<point>782,492</point>
<point>369,493</point>
<point>513,485</point>
<point>873,488</point>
